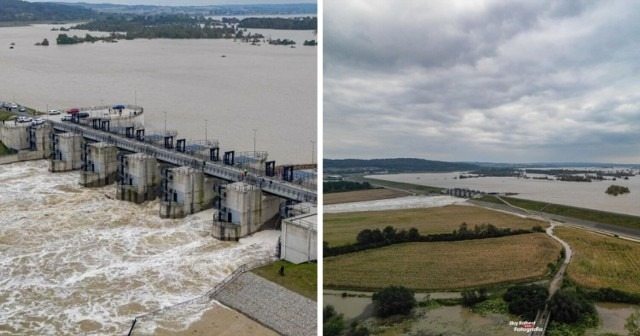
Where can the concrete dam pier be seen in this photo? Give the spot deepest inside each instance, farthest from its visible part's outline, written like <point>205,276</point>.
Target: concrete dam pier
<point>110,145</point>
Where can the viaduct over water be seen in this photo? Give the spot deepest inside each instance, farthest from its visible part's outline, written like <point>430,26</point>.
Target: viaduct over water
<point>110,145</point>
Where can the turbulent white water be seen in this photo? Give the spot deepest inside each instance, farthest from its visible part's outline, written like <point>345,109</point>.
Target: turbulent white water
<point>408,202</point>
<point>75,261</point>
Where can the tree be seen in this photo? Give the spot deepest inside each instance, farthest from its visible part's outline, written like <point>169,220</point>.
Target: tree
<point>393,300</point>
<point>333,323</point>
<point>389,233</point>
<point>570,306</point>
<point>413,234</point>
<point>526,300</point>
<point>364,237</point>
<point>633,323</point>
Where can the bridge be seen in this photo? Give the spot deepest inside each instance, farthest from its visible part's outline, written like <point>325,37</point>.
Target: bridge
<point>268,184</point>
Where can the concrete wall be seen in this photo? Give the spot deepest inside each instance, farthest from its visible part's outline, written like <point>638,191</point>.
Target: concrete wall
<point>14,135</point>
<point>299,239</point>
<point>245,211</point>
<point>140,178</point>
<point>187,191</point>
<point>100,166</point>
<point>68,152</point>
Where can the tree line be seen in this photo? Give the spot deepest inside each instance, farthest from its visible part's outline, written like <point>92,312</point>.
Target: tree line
<point>369,239</point>
<point>303,23</point>
<point>342,186</point>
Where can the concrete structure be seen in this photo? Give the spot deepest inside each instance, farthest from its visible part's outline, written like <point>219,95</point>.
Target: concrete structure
<point>244,210</point>
<point>139,178</point>
<point>185,191</point>
<point>100,164</point>
<point>464,193</point>
<point>66,154</point>
<point>278,308</point>
<point>299,238</point>
<point>31,142</point>
<point>14,135</point>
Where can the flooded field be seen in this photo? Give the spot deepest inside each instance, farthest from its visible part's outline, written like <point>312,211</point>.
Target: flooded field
<point>235,86</point>
<point>457,320</point>
<point>581,194</point>
<point>408,202</point>
<point>75,261</point>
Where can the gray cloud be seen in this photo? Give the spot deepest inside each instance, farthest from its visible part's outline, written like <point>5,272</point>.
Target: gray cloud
<point>183,2</point>
<point>482,80</point>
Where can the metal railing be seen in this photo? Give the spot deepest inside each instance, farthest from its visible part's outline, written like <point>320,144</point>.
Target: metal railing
<point>202,299</point>
<point>270,185</point>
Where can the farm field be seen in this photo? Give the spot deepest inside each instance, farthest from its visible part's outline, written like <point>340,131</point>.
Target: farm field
<point>362,195</point>
<point>342,228</point>
<point>602,261</point>
<point>444,265</point>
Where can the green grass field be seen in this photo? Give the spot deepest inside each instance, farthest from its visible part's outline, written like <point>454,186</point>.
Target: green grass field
<point>573,212</point>
<point>602,261</point>
<point>342,228</point>
<point>4,115</point>
<point>300,278</point>
<point>413,188</point>
<point>444,265</point>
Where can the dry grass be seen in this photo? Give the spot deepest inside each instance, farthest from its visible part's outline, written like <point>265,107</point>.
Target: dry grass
<point>342,228</point>
<point>444,265</point>
<point>602,261</point>
<point>362,195</point>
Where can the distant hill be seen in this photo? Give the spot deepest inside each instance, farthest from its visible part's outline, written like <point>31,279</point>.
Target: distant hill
<point>400,165</point>
<point>22,11</point>
<point>217,10</point>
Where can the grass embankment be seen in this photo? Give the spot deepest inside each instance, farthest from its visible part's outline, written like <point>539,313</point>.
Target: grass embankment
<point>362,195</point>
<point>343,228</point>
<point>573,212</point>
<point>601,261</point>
<point>300,278</point>
<point>4,115</point>
<point>413,188</point>
<point>444,266</point>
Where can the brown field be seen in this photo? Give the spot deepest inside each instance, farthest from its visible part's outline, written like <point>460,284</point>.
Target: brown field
<point>444,265</point>
<point>342,228</point>
<point>602,261</point>
<point>362,195</point>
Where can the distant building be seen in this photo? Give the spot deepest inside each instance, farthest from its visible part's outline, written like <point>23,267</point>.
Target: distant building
<point>299,238</point>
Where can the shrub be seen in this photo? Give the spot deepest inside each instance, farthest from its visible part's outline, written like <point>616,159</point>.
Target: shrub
<point>526,300</point>
<point>569,306</point>
<point>472,297</point>
<point>394,300</point>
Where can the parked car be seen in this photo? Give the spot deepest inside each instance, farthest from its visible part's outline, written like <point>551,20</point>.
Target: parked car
<point>73,111</point>
<point>67,118</point>
<point>83,114</point>
<point>38,121</point>
<point>53,112</point>
<point>24,119</point>
<point>22,109</point>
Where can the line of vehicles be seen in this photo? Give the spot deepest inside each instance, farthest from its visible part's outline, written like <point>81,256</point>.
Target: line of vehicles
<point>70,114</point>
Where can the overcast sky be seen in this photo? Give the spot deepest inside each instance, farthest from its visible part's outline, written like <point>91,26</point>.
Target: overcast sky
<point>182,2</point>
<point>507,81</point>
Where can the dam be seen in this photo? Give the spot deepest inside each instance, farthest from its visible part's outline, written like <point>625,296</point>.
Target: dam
<point>243,192</point>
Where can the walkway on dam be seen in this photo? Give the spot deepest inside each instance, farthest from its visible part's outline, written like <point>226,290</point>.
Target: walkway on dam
<point>269,185</point>
<point>274,306</point>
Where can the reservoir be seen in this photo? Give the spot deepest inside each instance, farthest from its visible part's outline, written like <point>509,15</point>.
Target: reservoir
<point>580,194</point>
<point>235,86</point>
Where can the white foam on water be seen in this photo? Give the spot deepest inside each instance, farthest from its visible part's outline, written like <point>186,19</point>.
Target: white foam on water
<point>74,260</point>
<point>407,202</point>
